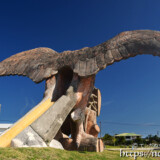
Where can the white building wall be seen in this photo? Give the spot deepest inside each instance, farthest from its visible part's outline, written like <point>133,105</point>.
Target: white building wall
<point>2,130</point>
<point>4,127</point>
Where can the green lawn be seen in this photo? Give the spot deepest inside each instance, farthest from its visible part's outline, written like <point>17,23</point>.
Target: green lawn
<point>51,154</point>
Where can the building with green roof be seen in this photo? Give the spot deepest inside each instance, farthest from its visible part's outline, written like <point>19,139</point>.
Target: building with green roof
<point>128,136</point>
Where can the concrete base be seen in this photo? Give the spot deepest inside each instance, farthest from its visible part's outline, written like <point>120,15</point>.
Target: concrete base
<point>28,138</point>
<point>50,122</point>
<point>55,144</point>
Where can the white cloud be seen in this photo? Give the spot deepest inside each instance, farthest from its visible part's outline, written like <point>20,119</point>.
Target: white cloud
<point>107,103</point>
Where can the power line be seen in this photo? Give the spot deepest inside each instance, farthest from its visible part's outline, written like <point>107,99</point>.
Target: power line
<point>131,124</point>
<point>5,120</point>
<point>100,130</point>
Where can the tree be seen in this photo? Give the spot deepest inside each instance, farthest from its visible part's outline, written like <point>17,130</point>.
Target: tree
<point>138,140</point>
<point>108,139</point>
<point>152,139</point>
<point>120,141</point>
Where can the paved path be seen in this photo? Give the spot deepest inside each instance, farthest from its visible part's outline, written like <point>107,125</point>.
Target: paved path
<point>140,149</point>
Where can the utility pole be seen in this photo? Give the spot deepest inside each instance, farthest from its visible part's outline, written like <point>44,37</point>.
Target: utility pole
<point>100,130</point>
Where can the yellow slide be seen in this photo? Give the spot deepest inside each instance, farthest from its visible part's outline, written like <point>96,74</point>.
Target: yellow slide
<point>25,121</point>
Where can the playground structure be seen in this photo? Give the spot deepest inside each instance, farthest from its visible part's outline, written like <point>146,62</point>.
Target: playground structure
<point>71,102</point>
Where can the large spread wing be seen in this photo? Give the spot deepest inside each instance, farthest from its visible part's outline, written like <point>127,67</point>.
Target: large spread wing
<point>37,64</point>
<point>88,61</point>
<point>41,63</point>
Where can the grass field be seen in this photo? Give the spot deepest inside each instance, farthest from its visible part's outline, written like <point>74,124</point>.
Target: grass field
<point>51,154</point>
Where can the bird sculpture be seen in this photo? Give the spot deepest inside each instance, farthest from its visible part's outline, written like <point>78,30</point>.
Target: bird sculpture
<point>73,73</point>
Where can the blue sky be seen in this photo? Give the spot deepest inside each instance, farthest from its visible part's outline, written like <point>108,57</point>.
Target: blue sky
<point>130,88</point>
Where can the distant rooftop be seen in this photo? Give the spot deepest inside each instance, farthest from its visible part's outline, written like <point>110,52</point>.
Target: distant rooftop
<point>127,134</point>
<point>5,125</point>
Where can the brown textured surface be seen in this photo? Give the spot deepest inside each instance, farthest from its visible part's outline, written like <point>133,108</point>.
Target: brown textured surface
<point>41,63</point>
<point>95,101</point>
<point>89,61</point>
<point>37,64</point>
<point>91,126</point>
